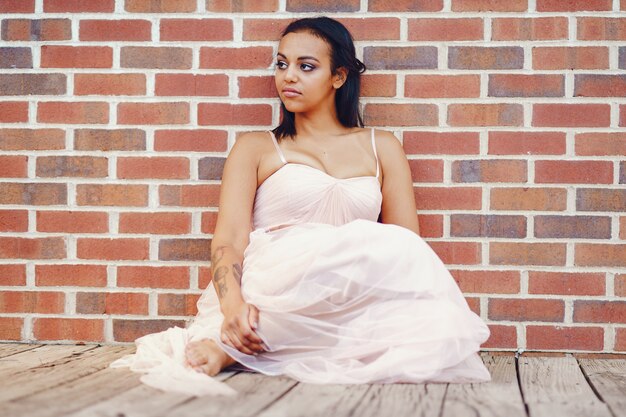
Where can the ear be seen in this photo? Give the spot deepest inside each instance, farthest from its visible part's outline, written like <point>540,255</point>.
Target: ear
<point>340,78</point>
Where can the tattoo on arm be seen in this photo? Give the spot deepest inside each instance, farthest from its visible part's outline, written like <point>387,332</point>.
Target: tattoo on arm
<point>217,255</point>
<point>220,280</point>
<point>237,272</point>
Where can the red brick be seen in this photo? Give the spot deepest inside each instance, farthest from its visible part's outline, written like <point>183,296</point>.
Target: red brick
<point>378,85</point>
<point>522,85</point>
<point>518,253</point>
<point>445,29</point>
<point>238,6</point>
<point>113,249</point>
<point>72,221</point>
<point>152,167</point>
<point>600,254</point>
<point>622,113</point>
<point>201,140</point>
<point>31,139</point>
<point>178,304</point>
<point>400,57</point>
<point>571,115</point>
<point>155,57</point>
<point>209,220</point>
<point>574,172</point>
<point>564,338</point>
<point>488,282</point>
<point>497,114</point>
<point>74,113</point>
<point>620,333</point>
<point>115,30</point>
<point>17,6</point>
<point>572,57</point>
<point>153,113</point>
<point>36,84</point>
<point>189,195</point>
<point>601,144</point>
<point>110,84</point>
<point>441,143</point>
<point>526,143</point>
<point>157,223</point>
<point>599,199</point>
<point>432,86</point>
<point>501,336</point>
<point>423,170</point>
<point>400,114</point>
<point>153,277</point>
<point>112,195</point>
<point>474,304</point>
<point>10,327</point>
<point>405,6</point>
<point>191,85</point>
<point>566,283</point>
<point>32,248</point>
<point>70,275</point>
<point>431,225</point>
<point>110,140</point>
<point>511,309</point>
<point>257,87</point>
<point>323,6</point>
<point>496,170</point>
<point>13,166</point>
<point>129,330</point>
<point>252,57</point>
<point>32,302</point>
<point>573,5</point>
<point>263,29</point>
<point>373,28</point>
<point>587,227</point>
<point>13,111</point>
<point>620,285</point>
<point>448,198</point>
<point>13,274</point>
<point>529,29</point>
<point>457,253</point>
<point>476,225</point>
<point>39,194</point>
<point>211,168</point>
<point>13,220</point>
<point>204,277</point>
<point>485,57</point>
<point>489,6</point>
<point>160,6</point>
<point>601,28</point>
<point>75,330</point>
<point>111,303</point>
<point>72,166</point>
<point>57,56</point>
<point>599,311</point>
<point>596,85</point>
<point>18,57</point>
<point>196,30</point>
<point>36,30</point>
<point>185,249</point>
<point>78,6</point>
<point>234,114</point>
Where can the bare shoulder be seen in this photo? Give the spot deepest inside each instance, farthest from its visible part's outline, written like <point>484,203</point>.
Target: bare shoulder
<point>251,142</point>
<point>388,146</point>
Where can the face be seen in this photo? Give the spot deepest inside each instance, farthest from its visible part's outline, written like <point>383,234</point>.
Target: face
<point>303,73</point>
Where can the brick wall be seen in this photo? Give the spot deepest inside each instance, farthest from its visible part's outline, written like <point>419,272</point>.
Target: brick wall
<point>116,117</point>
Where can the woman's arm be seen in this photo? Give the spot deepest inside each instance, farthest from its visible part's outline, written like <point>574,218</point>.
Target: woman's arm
<point>230,239</point>
<point>398,197</point>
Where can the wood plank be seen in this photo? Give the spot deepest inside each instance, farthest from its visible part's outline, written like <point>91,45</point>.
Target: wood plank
<point>399,400</point>
<point>499,397</point>
<point>555,386</point>
<point>255,393</point>
<point>608,377</point>
<point>8,349</point>
<point>31,381</point>
<point>38,356</point>
<point>141,400</point>
<point>337,400</point>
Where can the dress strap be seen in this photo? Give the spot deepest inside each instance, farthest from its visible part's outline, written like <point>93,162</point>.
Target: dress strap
<point>280,153</point>
<point>375,154</point>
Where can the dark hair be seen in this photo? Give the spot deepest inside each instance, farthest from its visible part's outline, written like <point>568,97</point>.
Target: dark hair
<point>343,55</point>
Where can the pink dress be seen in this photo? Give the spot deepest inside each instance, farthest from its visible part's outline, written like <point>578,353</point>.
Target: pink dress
<point>342,298</point>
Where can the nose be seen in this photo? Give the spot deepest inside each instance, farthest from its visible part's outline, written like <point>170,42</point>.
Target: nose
<point>290,74</point>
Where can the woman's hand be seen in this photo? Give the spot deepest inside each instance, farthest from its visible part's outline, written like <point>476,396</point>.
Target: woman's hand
<point>238,329</point>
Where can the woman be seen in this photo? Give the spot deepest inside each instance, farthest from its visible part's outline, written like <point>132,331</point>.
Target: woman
<point>306,282</point>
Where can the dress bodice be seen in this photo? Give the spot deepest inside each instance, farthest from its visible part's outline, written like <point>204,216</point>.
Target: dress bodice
<point>298,193</point>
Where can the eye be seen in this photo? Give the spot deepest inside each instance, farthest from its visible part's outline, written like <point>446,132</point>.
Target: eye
<point>307,67</point>
<point>281,65</point>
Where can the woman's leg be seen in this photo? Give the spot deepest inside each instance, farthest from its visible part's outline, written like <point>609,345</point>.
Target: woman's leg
<point>206,356</point>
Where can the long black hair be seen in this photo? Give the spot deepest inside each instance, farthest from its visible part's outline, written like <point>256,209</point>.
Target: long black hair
<point>343,54</point>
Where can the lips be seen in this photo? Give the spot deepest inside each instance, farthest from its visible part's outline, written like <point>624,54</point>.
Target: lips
<point>291,92</point>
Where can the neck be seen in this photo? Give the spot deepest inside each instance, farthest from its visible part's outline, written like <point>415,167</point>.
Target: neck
<point>322,122</point>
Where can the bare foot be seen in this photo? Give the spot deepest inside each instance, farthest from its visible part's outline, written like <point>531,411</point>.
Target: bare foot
<point>206,356</point>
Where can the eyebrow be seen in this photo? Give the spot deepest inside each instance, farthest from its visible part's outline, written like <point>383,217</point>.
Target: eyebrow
<point>300,58</point>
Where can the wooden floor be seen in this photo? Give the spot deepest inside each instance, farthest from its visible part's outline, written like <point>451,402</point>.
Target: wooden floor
<point>65,380</point>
